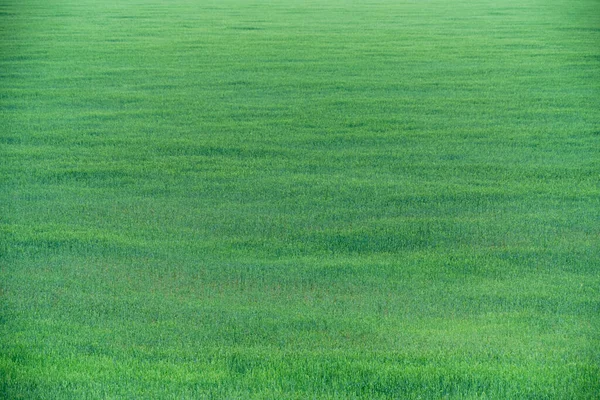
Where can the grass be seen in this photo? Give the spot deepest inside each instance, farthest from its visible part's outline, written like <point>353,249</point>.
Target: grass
<point>292,200</point>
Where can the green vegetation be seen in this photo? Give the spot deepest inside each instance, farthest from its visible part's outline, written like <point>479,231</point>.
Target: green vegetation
<point>241,199</point>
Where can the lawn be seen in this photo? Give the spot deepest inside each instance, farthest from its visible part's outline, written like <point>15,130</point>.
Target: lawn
<point>245,199</point>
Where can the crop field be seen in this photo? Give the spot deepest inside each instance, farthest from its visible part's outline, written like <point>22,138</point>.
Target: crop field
<point>285,199</point>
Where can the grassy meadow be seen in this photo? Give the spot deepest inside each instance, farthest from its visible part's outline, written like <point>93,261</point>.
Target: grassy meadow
<point>284,199</point>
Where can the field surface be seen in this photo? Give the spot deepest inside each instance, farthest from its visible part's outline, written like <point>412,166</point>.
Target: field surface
<point>244,199</point>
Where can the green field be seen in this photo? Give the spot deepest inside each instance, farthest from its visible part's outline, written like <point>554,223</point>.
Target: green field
<point>285,199</point>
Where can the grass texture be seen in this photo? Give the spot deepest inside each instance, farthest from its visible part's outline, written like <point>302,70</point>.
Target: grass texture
<point>245,199</point>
